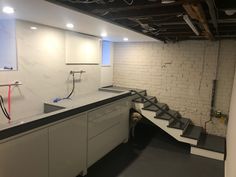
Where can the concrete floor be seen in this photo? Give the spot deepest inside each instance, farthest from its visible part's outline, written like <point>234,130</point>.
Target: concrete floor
<point>153,153</point>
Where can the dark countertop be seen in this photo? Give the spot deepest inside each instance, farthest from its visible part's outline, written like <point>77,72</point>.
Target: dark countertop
<point>114,88</point>
<point>72,107</point>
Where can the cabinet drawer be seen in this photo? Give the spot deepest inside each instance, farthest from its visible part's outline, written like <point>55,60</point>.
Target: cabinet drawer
<point>106,141</point>
<point>100,112</point>
<point>104,118</point>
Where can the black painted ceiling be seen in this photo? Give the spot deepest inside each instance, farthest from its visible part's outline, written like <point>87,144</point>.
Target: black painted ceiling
<point>160,20</point>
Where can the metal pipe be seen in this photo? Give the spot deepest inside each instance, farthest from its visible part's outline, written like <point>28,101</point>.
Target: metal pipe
<point>212,14</point>
<point>163,110</point>
<point>13,84</point>
<point>190,24</point>
<point>77,72</point>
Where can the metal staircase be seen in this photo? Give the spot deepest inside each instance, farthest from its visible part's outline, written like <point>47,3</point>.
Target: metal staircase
<point>182,129</point>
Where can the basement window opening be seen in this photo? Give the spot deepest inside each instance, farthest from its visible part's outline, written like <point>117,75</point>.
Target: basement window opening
<point>106,53</point>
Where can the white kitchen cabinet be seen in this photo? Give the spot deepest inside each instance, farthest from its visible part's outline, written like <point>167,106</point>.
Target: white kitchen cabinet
<point>25,156</point>
<point>67,147</point>
<point>108,126</point>
<point>82,49</point>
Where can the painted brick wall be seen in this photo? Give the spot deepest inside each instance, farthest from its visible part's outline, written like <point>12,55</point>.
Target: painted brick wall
<point>180,75</point>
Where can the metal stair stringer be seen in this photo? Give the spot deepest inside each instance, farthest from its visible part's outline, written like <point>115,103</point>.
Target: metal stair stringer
<point>165,125</point>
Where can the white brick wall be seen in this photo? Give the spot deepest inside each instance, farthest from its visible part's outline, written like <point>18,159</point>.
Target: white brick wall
<point>180,75</point>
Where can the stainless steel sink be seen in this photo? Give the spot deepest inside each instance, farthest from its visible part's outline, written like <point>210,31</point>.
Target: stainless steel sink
<point>51,108</point>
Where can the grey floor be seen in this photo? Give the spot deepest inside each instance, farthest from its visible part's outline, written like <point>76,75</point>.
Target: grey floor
<point>153,153</point>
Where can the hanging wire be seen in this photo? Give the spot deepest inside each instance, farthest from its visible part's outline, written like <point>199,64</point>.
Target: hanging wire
<point>73,87</point>
<point>4,110</point>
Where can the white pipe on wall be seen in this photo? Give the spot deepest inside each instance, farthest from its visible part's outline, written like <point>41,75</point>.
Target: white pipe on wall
<point>190,24</point>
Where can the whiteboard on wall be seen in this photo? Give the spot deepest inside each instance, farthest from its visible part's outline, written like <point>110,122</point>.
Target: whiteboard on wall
<point>82,49</point>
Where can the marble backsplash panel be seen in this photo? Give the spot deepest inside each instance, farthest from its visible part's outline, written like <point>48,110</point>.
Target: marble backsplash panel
<point>43,72</point>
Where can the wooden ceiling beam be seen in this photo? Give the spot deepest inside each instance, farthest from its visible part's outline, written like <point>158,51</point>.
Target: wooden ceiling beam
<point>195,11</point>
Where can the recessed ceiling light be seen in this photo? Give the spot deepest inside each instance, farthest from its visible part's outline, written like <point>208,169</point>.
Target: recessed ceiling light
<point>230,12</point>
<point>33,28</point>
<point>167,1</point>
<point>125,39</point>
<point>104,34</point>
<point>8,10</point>
<point>69,25</point>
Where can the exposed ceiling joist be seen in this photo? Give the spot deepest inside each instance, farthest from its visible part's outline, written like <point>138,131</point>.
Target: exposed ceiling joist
<point>134,7</point>
<point>212,12</point>
<point>172,23</point>
<point>147,15</point>
<point>226,21</point>
<point>151,12</point>
<point>179,33</point>
<point>161,21</point>
<point>195,11</point>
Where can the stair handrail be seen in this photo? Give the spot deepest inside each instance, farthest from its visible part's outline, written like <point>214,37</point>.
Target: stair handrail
<point>152,103</point>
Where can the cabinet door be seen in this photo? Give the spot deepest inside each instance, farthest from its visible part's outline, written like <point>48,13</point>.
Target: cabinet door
<point>108,127</point>
<point>82,49</point>
<point>103,118</point>
<point>25,156</point>
<point>67,147</point>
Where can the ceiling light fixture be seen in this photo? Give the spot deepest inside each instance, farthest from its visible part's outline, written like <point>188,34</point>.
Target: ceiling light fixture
<point>8,10</point>
<point>33,28</point>
<point>69,25</point>
<point>190,24</point>
<point>125,39</point>
<point>104,34</point>
<point>167,1</point>
<point>230,12</point>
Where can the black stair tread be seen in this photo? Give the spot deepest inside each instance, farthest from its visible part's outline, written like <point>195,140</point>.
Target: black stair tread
<point>193,132</point>
<point>176,124</point>
<point>124,88</point>
<point>141,100</point>
<point>165,116</point>
<point>151,107</point>
<point>212,143</point>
